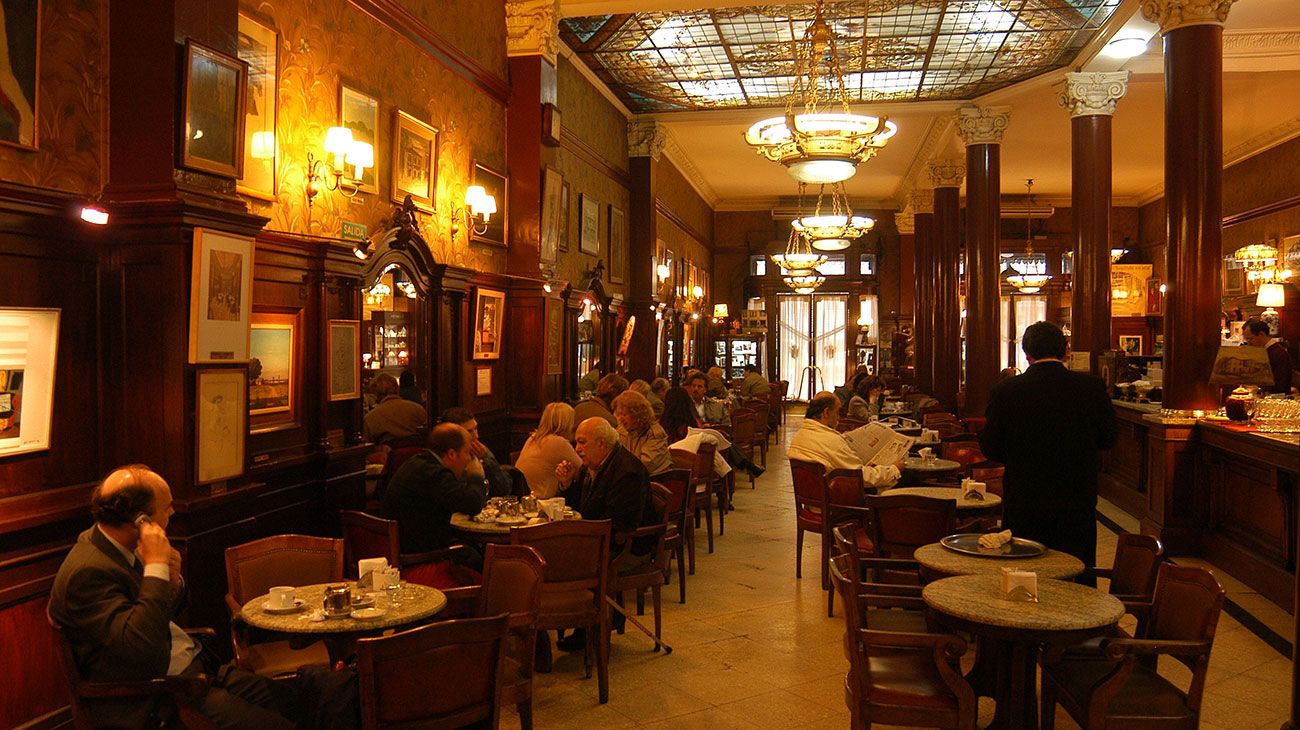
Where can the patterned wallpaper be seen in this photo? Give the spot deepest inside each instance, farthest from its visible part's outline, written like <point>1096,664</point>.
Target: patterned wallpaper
<point>473,26</point>
<point>72,106</point>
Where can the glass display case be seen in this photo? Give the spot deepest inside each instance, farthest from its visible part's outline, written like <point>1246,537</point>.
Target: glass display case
<point>733,352</point>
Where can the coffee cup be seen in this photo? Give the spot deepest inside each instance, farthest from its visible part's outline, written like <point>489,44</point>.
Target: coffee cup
<point>281,597</point>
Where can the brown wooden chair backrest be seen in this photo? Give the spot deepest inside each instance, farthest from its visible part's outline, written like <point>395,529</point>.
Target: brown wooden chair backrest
<point>989,472</point>
<point>845,490</point>
<point>962,452</point>
<point>367,536</point>
<point>443,675</point>
<point>761,407</point>
<point>903,522</point>
<point>677,482</point>
<point>848,424</point>
<point>576,554</point>
<point>744,429</point>
<point>253,568</point>
<point>512,583</point>
<point>700,463</point>
<point>1137,563</point>
<point>1186,604</point>
<point>809,488</point>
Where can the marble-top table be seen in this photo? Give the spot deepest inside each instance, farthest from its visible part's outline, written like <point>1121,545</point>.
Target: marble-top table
<point>1013,630</point>
<point>416,603</point>
<point>990,500</point>
<point>491,531</point>
<point>930,466</point>
<point>936,558</point>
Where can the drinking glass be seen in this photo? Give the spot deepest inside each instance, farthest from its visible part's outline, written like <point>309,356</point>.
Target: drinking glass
<point>393,586</point>
<point>528,503</point>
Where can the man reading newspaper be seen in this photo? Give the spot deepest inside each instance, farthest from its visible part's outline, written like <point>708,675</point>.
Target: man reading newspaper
<point>818,442</point>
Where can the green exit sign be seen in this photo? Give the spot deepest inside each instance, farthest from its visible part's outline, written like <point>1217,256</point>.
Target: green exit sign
<point>354,231</point>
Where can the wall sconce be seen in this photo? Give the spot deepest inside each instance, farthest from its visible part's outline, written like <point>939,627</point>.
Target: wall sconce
<point>697,291</point>
<point>95,215</point>
<point>263,146</point>
<point>478,210</point>
<point>346,152</point>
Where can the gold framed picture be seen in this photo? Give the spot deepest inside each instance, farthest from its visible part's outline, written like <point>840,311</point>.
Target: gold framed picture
<point>220,296</point>
<point>489,312</point>
<point>272,357</point>
<point>213,129</point>
<point>415,161</point>
<point>259,47</point>
<point>359,112</point>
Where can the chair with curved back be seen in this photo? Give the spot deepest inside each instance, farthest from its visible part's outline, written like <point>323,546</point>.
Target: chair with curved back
<point>679,540</point>
<point>965,453</point>
<point>848,424</point>
<point>745,434</point>
<point>886,606</point>
<point>443,675</point>
<point>845,506</point>
<point>651,575</point>
<point>1132,577</point>
<point>811,505</point>
<point>704,485</point>
<point>368,536</point>
<point>761,407</point>
<point>989,472</point>
<point>901,523</point>
<point>252,569</point>
<point>775,404</point>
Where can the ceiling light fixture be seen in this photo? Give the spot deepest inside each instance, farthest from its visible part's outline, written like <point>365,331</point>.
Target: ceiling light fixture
<point>836,229</point>
<point>1261,262</point>
<point>1127,45</point>
<point>1023,279</point>
<point>805,283</point>
<point>799,259</point>
<point>815,145</point>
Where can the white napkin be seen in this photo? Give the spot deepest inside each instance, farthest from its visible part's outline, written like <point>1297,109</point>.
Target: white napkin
<point>925,453</point>
<point>370,570</point>
<point>929,436</point>
<point>553,508</point>
<point>994,540</point>
<point>974,491</point>
<point>1019,585</point>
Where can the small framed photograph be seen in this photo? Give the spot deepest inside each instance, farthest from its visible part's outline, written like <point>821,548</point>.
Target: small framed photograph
<point>345,363</point>
<point>496,185</point>
<point>359,112</point>
<point>483,381</point>
<point>259,47</point>
<point>552,188</point>
<point>617,244</point>
<point>1131,345</point>
<point>215,85</point>
<point>29,346</point>
<point>589,233</point>
<point>221,423</point>
<point>220,296</point>
<point>415,161</point>
<point>1234,277</point>
<point>563,242</point>
<point>1289,254</point>
<point>489,311</point>
<point>22,19</point>
<point>1155,299</point>
<point>272,353</point>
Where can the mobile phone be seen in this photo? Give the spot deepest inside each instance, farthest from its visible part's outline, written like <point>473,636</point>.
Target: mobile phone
<point>140,519</point>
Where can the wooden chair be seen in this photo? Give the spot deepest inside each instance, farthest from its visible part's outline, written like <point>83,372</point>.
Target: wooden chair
<point>184,691</point>
<point>252,569</point>
<point>901,678</point>
<point>745,434</point>
<point>577,579</point>
<point>1122,688</point>
<point>776,404</point>
<point>848,424</point>
<point>705,483</point>
<point>651,575</point>
<point>901,523</point>
<point>443,675</point>
<point>761,408</point>
<point>885,606</point>
<point>989,472</point>
<point>367,536</point>
<point>679,540</point>
<point>782,391</point>
<point>965,453</point>
<point>1132,577</point>
<point>811,506</point>
<point>845,505</point>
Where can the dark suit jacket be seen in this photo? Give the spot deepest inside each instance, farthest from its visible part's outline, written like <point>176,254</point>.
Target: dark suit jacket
<point>1047,426</point>
<point>116,621</point>
<point>422,496</point>
<point>618,491</point>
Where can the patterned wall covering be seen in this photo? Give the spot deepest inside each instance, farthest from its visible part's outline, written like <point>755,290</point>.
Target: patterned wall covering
<point>473,26</point>
<point>323,41</point>
<point>72,108</point>
<point>680,198</point>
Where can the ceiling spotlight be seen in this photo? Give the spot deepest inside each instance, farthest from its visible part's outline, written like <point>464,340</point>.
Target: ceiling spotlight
<point>1126,45</point>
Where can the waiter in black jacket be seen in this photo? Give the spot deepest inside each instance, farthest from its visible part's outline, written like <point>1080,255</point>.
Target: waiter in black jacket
<point>1047,426</point>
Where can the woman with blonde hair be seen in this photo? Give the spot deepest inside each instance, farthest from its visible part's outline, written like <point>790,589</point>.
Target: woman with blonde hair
<point>643,388</point>
<point>547,446</point>
<point>640,434</point>
<point>716,381</point>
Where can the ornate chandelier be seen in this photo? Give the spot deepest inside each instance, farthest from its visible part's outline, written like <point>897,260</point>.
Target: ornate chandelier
<point>805,283</point>
<point>833,229</point>
<point>816,145</point>
<point>1260,260</point>
<point>1022,279</point>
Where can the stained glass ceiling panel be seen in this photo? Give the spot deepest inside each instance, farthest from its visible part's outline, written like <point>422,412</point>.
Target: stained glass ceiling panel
<point>896,50</point>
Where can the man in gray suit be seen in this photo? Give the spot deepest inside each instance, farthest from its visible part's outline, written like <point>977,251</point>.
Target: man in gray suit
<point>115,598</point>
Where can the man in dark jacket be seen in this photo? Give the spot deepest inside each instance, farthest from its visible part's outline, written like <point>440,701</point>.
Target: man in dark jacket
<point>430,486</point>
<point>498,483</point>
<point>1048,427</point>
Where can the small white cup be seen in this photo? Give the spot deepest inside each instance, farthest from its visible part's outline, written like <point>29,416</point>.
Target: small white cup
<point>281,597</point>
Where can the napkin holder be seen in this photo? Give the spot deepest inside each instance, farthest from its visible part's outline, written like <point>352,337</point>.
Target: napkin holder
<point>370,572</point>
<point>553,508</point>
<point>929,436</point>
<point>973,491</point>
<point>1020,585</point>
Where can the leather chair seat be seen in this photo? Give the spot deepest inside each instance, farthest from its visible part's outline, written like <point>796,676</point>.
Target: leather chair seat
<point>865,546</point>
<point>810,516</point>
<point>893,619</point>
<point>554,602</point>
<point>1146,694</point>
<point>907,679</point>
<point>277,658</point>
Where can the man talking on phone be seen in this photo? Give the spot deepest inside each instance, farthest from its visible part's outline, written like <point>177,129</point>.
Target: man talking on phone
<point>115,598</point>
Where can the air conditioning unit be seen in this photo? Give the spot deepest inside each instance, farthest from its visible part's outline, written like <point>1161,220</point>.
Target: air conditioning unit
<point>1033,211</point>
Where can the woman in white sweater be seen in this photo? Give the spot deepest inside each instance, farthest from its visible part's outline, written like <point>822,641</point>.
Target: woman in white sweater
<point>546,447</point>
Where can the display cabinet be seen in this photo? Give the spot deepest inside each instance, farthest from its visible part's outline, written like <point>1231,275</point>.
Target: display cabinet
<point>733,353</point>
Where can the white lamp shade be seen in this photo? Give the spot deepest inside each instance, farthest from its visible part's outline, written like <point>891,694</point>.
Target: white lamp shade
<point>822,171</point>
<point>720,310</point>
<point>263,144</point>
<point>698,291</point>
<point>361,155</point>
<point>1271,295</point>
<point>338,141</point>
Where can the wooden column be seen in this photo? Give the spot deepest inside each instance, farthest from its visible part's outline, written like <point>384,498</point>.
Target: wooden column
<point>1090,99</point>
<point>923,334</point>
<point>946,242</point>
<point>981,129</point>
<point>645,140</point>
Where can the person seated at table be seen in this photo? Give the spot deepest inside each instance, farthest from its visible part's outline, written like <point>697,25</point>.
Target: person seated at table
<point>817,441</point>
<point>754,384</point>
<point>866,400</point>
<point>715,383</point>
<point>499,485</point>
<point>443,479</point>
<point>549,444</point>
<point>116,597</point>
<point>587,383</point>
<point>681,415</point>
<point>393,417</point>
<point>407,388</point>
<point>845,392</point>
<point>639,433</point>
<point>601,405</point>
<point>706,411</point>
<point>642,387</point>
<point>659,386</point>
<point>1256,333</point>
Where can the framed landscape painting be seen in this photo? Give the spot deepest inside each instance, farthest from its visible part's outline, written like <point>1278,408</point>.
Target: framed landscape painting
<point>359,112</point>
<point>271,375</point>
<point>415,161</point>
<point>259,48</point>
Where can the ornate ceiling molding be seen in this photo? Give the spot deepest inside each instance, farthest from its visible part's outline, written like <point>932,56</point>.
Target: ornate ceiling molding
<point>1174,14</point>
<point>1245,44</point>
<point>983,124</point>
<point>645,138</point>
<point>1263,141</point>
<point>937,136</point>
<point>922,201</point>
<point>532,28</point>
<point>674,154</point>
<point>1093,94</point>
<point>947,173</point>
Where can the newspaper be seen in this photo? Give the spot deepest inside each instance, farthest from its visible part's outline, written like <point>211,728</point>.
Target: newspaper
<point>876,443</point>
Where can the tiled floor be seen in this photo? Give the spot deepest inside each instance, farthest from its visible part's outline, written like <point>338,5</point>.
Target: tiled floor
<point>753,648</point>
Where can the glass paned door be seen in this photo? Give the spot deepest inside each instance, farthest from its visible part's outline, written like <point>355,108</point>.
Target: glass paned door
<point>795,341</point>
<point>813,338</point>
<point>830,345</point>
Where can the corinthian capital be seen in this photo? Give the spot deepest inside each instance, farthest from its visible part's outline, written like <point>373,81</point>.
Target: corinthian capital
<point>923,200</point>
<point>982,124</point>
<point>1092,94</point>
<point>946,174</point>
<point>1173,14</point>
<point>533,28</point>
<point>645,138</point>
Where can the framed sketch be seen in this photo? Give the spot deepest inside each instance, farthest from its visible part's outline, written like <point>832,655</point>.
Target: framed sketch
<point>489,311</point>
<point>1289,254</point>
<point>345,363</point>
<point>496,185</point>
<point>415,161</point>
<point>18,122</point>
<point>1128,285</point>
<point>221,423</point>
<point>1155,299</point>
<point>563,243</point>
<point>1234,277</point>
<point>259,47</point>
<point>589,233</point>
<point>483,381</point>
<point>220,296</point>
<point>272,377</point>
<point>215,85</point>
<point>617,244</point>
<point>552,188</point>
<point>29,342</point>
<point>360,113</point>
<point>1131,345</point>
<point>554,337</point>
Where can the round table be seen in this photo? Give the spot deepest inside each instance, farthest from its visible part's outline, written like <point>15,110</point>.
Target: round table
<point>930,467</point>
<point>418,602</point>
<point>990,500</point>
<point>938,559</point>
<point>1013,630</point>
<point>486,532</point>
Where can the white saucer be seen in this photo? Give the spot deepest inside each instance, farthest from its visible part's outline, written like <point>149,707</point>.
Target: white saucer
<point>298,605</point>
<point>368,614</point>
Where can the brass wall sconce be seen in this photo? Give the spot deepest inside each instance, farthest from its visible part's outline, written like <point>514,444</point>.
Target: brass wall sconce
<point>478,210</point>
<point>346,152</point>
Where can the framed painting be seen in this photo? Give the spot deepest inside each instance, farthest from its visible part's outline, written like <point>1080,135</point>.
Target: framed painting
<point>220,429</point>
<point>345,362</point>
<point>272,377</point>
<point>617,244</point>
<point>1128,285</point>
<point>489,311</point>
<point>415,161</point>
<point>1155,298</point>
<point>259,47</point>
<point>359,112</point>
<point>22,69</point>
<point>215,86</point>
<point>563,242</point>
<point>1234,277</point>
<point>221,287</point>
<point>1289,254</point>
<point>589,233</point>
<point>29,343</point>
<point>1131,345</point>
<point>554,337</point>
<point>552,188</point>
<point>496,185</point>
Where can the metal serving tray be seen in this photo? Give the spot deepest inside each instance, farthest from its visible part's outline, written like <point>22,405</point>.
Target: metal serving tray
<point>969,544</point>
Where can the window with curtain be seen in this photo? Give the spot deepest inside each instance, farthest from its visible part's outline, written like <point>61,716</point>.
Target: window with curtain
<point>831,339</point>
<point>793,343</point>
<point>1019,312</point>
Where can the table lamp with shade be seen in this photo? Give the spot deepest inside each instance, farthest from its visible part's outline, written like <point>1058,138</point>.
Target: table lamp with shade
<point>1271,295</point>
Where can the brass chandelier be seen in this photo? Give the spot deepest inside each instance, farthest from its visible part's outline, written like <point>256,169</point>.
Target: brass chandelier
<point>833,227</point>
<point>816,145</point>
<point>1022,279</point>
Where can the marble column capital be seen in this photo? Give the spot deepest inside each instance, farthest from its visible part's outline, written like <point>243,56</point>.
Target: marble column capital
<point>645,138</point>
<point>533,28</point>
<point>922,200</point>
<point>982,124</point>
<point>905,221</point>
<point>947,174</point>
<point>1093,94</point>
<point>1174,14</point>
